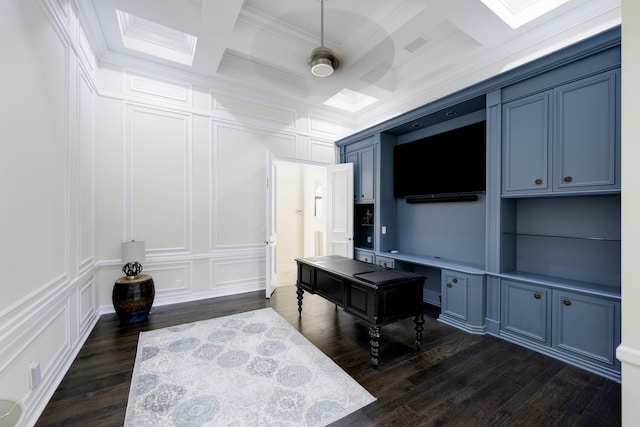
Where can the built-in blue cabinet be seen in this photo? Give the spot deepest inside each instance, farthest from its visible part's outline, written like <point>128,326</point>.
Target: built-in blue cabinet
<point>586,134</point>
<point>463,300</point>
<point>586,327</point>
<point>535,259</point>
<point>526,138</point>
<point>525,311</point>
<point>564,139</point>
<point>363,156</point>
<point>567,324</point>
<point>455,299</point>
<point>364,173</point>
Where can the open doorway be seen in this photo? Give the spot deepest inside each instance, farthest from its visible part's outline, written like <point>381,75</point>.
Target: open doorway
<point>299,216</point>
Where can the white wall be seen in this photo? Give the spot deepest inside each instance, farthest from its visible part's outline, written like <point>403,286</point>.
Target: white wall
<point>289,212</point>
<point>94,155</point>
<point>183,168</point>
<point>629,350</point>
<point>47,228</point>
<point>296,222</point>
<point>314,177</point>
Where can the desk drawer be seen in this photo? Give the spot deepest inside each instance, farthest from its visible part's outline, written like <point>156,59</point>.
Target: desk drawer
<point>305,277</point>
<point>360,302</point>
<point>330,287</point>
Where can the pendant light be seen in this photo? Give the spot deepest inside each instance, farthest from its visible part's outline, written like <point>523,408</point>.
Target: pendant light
<point>323,62</point>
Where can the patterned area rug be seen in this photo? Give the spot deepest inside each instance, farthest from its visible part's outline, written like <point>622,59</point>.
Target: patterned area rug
<point>248,369</point>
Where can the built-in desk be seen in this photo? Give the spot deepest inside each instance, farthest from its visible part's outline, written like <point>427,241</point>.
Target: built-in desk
<point>374,294</point>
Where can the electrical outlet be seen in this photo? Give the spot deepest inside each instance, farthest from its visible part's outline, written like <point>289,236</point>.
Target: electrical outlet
<point>384,229</point>
<point>36,376</point>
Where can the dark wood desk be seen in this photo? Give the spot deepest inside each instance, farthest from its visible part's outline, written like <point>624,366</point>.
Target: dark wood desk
<point>374,294</point>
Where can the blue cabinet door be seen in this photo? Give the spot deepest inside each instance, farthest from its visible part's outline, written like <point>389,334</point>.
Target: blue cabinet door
<point>586,134</point>
<point>526,311</point>
<point>455,295</point>
<point>526,139</point>
<point>364,174</point>
<point>367,175</point>
<point>586,327</point>
<point>564,140</point>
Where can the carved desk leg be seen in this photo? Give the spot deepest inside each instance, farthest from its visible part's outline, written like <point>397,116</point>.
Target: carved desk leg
<point>299,291</point>
<point>374,334</point>
<point>419,321</point>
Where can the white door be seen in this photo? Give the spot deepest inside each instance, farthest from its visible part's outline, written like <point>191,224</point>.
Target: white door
<point>271,238</point>
<point>340,210</point>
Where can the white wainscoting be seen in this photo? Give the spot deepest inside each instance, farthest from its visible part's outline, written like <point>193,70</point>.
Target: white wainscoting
<point>48,305</point>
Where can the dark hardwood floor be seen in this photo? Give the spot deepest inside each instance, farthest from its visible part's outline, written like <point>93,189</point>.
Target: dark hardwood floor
<point>456,379</point>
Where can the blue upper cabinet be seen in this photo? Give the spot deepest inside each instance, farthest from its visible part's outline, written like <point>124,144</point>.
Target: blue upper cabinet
<point>364,174</point>
<point>563,140</point>
<point>526,140</point>
<point>367,175</point>
<point>586,135</point>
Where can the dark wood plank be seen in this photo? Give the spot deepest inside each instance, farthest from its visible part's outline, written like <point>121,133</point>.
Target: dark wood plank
<point>456,379</point>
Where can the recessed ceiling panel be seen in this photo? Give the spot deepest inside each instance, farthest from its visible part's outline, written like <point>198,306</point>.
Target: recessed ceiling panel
<point>154,39</point>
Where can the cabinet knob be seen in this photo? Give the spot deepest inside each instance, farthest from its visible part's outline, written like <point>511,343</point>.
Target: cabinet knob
<point>362,195</point>
<point>566,302</point>
<point>568,178</point>
<point>538,181</point>
<point>537,295</point>
<point>455,280</point>
<point>449,285</point>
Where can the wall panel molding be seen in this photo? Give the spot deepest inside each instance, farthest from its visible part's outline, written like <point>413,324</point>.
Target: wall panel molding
<point>170,277</point>
<point>86,305</point>
<point>329,128</point>
<point>158,178</point>
<point>238,165</point>
<point>245,108</point>
<point>85,203</point>
<point>21,308</point>
<point>237,273</point>
<point>163,91</point>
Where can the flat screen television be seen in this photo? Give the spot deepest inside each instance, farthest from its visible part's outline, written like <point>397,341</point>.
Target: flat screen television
<point>451,163</point>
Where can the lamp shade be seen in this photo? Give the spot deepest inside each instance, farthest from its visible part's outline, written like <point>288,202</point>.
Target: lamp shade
<point>133,251</point>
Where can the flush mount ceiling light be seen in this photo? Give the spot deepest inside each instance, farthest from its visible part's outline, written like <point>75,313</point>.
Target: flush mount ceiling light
<point>323,62</point>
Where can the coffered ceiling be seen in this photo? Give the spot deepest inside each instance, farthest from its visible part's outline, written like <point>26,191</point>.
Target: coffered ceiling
<point>400,53</point>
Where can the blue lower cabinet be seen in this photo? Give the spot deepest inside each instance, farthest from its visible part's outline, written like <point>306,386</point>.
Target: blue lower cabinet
<point>577,327</point>
<point>526,311</point>
<point>463,301</point>
<point>586,327</point>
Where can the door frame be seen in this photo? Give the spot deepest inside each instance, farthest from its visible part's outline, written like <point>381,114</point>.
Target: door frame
<point>270,233</point>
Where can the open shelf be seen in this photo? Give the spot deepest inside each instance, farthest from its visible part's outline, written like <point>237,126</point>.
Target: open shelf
<point>364,230</point>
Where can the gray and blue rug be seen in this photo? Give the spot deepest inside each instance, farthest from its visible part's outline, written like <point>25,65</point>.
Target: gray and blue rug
<point>248,369</point>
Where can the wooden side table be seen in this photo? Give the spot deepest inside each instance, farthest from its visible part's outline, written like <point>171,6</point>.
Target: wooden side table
<point>133,297</point>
